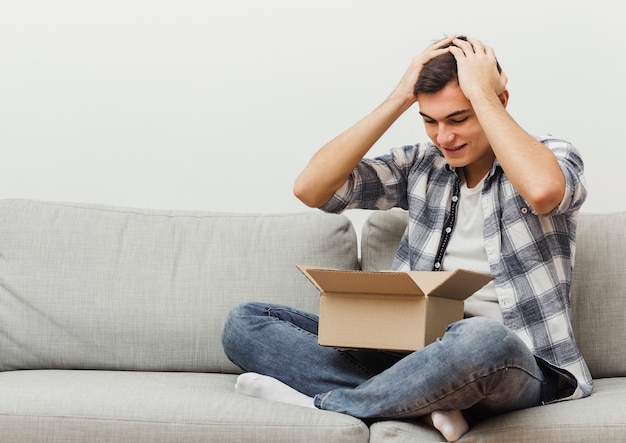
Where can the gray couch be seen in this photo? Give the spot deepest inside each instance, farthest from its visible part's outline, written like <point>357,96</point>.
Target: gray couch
<point>110,325</point>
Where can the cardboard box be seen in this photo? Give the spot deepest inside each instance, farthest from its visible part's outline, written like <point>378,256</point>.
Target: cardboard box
<point>401,311</point>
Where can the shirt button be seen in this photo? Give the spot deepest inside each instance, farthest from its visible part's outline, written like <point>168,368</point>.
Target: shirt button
<point>524,210</point>
<point>454,198</point>
<point>448,230</point>
<point>437,265</point>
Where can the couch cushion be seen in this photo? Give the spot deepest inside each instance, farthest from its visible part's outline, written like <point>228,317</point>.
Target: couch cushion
<point>380,237</point>
<point>598,295</point>
<point>97,287</point>
<point>153,407</point>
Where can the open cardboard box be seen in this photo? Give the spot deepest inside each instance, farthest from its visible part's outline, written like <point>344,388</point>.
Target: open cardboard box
<point>401,311</point>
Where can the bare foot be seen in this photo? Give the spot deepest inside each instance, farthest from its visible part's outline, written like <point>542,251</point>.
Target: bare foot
<point>451,424</point>
<point>269,388</point>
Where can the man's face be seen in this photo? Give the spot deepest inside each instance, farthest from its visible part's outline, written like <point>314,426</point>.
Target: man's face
<point>453,127</point>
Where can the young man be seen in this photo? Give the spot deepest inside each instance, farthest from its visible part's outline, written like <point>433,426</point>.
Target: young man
<point>485,196</point>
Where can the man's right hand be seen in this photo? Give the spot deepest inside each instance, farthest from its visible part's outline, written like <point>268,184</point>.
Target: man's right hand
<point>407,83</point>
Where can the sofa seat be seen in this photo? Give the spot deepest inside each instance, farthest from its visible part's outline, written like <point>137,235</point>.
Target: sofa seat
<point>152,407</point>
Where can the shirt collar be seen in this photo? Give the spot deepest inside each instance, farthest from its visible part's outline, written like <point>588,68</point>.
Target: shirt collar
<point>494,169</point>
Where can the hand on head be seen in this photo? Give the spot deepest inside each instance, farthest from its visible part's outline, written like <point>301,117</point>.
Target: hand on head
<point>478,69</point>
<point>435,49</point>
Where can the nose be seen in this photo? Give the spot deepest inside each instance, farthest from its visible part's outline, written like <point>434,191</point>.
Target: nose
<point>445,135</point>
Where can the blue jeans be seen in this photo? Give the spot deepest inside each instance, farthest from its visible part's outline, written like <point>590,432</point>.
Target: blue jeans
<point>479,366</point>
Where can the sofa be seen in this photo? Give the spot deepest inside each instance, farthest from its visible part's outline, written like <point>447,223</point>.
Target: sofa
<point>111,319</point>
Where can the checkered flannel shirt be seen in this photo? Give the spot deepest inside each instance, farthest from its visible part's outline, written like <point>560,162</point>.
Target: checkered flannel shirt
<point>530,255</point>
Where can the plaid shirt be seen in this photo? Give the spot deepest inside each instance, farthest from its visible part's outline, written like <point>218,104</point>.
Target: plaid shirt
<point>530,255</point>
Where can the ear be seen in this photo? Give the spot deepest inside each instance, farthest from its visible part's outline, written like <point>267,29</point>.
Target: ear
<point>504,97</point>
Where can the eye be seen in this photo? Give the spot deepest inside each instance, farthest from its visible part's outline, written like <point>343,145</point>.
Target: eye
<point>460,120</point>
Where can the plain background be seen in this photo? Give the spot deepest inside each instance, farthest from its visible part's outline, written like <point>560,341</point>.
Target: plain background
<point>217,105</point>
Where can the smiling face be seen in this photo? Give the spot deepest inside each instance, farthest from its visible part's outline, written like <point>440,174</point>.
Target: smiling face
<point>454,128</point>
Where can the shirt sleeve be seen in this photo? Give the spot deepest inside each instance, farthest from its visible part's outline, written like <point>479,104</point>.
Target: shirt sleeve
<point>378,183</point>
<point>572,166</point>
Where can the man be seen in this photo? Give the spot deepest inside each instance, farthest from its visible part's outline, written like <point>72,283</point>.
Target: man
<point>485,196</point>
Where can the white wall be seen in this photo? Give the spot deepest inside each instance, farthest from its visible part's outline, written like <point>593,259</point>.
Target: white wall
<point>217,105</point>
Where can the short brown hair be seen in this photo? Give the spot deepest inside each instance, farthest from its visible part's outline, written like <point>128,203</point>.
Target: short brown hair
<point>438,72</point>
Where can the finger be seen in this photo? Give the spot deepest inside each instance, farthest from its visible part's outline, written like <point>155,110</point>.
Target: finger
<point>463,45</point>
<point>504,80</point>
<point>478,46</point>
<point>456,51</point>
<point>490,52</point>
<point>434,53</point>
<point>443,42</point>
<point>437,48</point>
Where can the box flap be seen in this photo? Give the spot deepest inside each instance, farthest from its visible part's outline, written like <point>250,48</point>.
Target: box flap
<point>361,282</point>
<point>456,285</point>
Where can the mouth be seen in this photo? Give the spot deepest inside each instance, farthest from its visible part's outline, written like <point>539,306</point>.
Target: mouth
<point>454,148</point>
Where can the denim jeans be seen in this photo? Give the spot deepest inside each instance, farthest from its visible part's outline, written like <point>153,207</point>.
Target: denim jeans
<point>479,366</point>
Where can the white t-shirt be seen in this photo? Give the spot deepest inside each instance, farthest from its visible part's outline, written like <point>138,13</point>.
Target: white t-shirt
<point>466,250</point>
